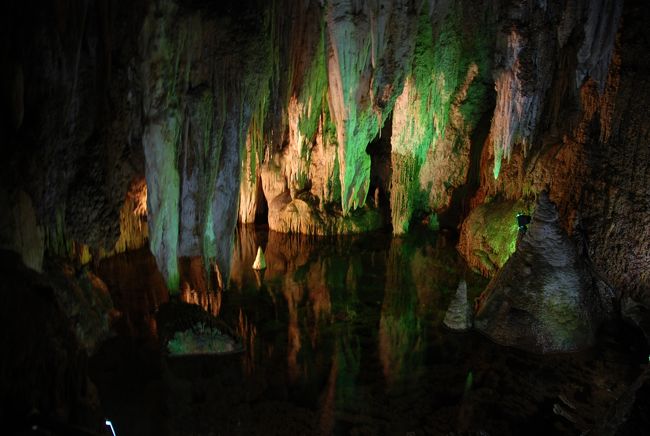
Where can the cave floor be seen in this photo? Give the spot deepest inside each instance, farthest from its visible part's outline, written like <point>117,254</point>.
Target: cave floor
<point>345,336</point>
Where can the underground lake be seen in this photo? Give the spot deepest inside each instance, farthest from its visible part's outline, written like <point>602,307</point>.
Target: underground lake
<point>325,217</point>
<point>344,335</point>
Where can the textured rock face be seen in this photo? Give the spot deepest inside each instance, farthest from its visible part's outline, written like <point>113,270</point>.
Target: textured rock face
<point>442,100</point>
<point>372,62</point>
<point>84,299</point>
<point>195,119</point>
<point>45,365</point>
<point>70,117</point>
<point>489,234</point>
<point>545,298</point>
<point>592,151</point>
<point>20,230</point>
<point>272,106</point>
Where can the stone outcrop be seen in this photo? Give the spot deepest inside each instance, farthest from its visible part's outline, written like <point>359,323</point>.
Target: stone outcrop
<point>195,122</point>
<point>592,152</point>
<point>545,298</point>
<point>489,234</point>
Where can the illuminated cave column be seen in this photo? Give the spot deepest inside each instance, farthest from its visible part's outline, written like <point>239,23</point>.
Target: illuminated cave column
<point>198,103</point>
<point>421,115</point>
<point>160,142</point>
<point>365,74</point>
<point>253,155</point>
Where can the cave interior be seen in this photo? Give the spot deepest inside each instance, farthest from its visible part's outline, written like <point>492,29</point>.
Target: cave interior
<point>395,217</point>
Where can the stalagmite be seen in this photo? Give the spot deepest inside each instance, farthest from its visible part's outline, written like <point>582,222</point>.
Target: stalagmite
<point>458,315</point>
<point>544,299</point>
<point>260,261</point>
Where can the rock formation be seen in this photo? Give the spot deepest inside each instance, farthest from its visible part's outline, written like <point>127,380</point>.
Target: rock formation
<point>544,299</point>
<point>271,111</point>
<point>459,313</point>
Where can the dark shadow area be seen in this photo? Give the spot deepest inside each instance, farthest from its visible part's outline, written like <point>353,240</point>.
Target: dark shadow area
<point>344,336</point>
<point>459,207</point>
<point>262,211</point>
<point>379,150</point>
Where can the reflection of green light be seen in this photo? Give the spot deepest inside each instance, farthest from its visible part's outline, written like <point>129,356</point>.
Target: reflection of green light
<point>469,381</point>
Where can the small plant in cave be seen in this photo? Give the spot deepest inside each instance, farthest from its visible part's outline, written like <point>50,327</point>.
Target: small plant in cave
<point>202,339</point>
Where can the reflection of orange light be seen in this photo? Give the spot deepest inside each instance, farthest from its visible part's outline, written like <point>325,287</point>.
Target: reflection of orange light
<point>210,301</point>
<point>138,194</point>
<point>293,293</point>
<point>247,332</point>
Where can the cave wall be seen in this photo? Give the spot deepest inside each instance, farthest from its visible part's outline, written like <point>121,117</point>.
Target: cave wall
<point>241,110</point>
<point>588,146</point>
<point>70,126</point>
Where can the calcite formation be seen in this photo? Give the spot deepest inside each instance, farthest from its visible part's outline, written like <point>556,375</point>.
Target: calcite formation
<point>545,298</point>
<point>270,111</point>
<point>260,260</point>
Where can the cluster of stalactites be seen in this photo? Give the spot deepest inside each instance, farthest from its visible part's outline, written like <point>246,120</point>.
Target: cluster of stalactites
<point>530,61</point>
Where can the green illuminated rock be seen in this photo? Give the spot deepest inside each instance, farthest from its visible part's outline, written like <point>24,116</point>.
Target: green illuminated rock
<point>203,79</point>
<point>489,235</point>
<point>435,115</point>
<point>359,36</point>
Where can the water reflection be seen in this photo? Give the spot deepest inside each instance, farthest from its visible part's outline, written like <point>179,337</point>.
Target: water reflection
<point>330,298</point>
<point>343,336</point>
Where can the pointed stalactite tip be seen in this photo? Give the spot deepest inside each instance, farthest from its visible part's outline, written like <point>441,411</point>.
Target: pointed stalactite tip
<point>260,261</point>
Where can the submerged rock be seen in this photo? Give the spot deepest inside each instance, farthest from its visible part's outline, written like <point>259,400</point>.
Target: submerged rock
<point>545,298</point>
<point>459,316</point>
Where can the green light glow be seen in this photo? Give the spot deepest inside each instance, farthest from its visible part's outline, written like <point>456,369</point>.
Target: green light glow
<point>441,84</point>
<point>163,183</point>
<point>498,156</point>
<point>469,381</point>
<point>495,232</point>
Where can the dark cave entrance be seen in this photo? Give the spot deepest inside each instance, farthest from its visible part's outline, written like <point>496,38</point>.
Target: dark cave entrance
<point>379,150</point>
<point>262,206</point>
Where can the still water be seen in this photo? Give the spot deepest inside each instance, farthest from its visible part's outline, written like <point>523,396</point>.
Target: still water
<point>343,336</point>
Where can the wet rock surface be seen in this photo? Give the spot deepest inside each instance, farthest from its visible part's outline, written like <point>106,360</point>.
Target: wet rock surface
<point>544,299</point>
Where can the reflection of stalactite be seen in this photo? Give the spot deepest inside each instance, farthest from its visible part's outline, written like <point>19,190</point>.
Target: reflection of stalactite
<point>293,294</point>
<point>321,305</point>
<point>400,328</point>
<point>328,401</point>
<point>195,288</point>
<point>210,301</point>
<point>341,392</point>
<point>247,332</point>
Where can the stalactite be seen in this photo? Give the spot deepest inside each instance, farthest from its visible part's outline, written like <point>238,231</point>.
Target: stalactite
<point>365,78</point>
<point>435,115</point>
<point>199,100</point>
